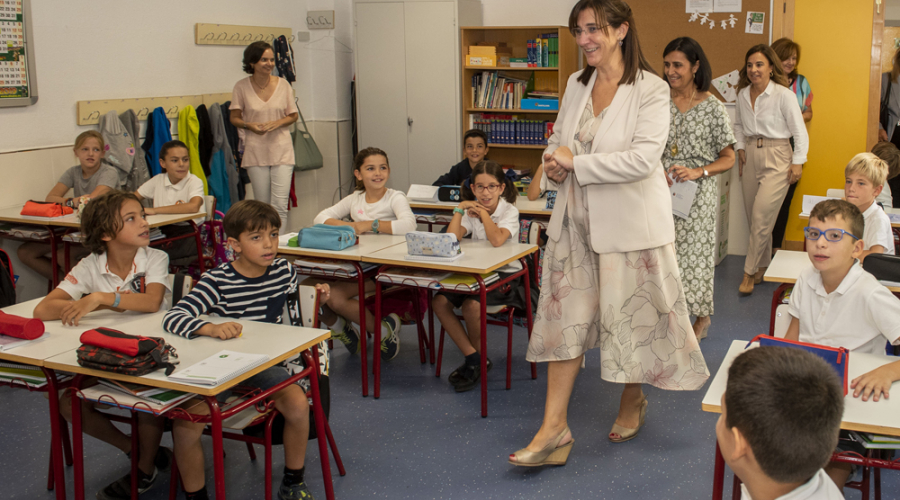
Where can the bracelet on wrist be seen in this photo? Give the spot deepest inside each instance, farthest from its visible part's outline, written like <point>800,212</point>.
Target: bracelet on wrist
<point>118,299</point>
<point>459,211</point>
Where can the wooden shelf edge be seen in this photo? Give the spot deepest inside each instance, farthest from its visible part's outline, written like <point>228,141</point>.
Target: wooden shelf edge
<point>507,111</point>
<point>507,68</point>
<point>517,146</point>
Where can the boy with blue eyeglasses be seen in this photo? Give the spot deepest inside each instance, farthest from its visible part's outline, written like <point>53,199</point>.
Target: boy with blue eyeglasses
<point>836,303</point>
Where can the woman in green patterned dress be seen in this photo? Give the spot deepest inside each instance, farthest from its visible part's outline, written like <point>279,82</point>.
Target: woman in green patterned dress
<point>700,145</point>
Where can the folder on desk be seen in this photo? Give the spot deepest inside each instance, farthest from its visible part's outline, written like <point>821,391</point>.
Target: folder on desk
<point>218,368</point>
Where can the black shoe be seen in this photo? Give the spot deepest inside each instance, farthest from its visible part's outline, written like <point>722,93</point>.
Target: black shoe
<point>121,488</point>
<point>455,377</point>
<point>294,492</point>
<point>468,378</point>
<point>163,460</point>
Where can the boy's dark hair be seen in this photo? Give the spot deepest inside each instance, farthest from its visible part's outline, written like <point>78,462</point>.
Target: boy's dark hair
<point>493,169</point>
<point>253,53</point>
<point>889,154</point>
<point>360,158</point>
<point>249,215</point>
<point>101,218</point>
<point>475,133</point>
<point>170,145</point>
<point>694,54</point>
<point>830,209</point>
<point>788,404</point>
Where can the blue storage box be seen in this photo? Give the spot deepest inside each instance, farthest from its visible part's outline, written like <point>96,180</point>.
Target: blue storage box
<point>541,104</point>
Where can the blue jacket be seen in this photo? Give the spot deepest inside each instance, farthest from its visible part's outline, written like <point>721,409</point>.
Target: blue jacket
<point>158,133</point>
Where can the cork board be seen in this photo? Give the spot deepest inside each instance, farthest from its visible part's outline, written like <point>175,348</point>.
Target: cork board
<point>661,21</point>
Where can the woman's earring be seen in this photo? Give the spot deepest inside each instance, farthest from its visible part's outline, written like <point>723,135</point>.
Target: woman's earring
<point>620,43</point>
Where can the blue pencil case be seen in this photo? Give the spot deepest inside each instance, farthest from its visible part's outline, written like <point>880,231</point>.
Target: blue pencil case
<point>837,357</point>
<point>325,237</point>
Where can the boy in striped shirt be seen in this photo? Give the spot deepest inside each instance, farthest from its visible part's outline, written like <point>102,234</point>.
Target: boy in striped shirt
<point>254,287</point>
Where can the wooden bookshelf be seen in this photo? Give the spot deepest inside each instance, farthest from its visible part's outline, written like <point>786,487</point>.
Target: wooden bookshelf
<point>521,155</point>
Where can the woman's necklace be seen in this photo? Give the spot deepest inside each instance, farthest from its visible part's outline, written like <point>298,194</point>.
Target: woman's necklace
<point>674,148</point>
<point>262,87</point>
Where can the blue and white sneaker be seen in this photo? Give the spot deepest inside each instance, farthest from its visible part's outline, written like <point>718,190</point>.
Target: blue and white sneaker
<point>390,343</point>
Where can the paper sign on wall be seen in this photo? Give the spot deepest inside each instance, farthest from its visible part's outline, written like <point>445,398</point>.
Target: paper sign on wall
<point>726,5</point>
<point>727,85</point>
<point>755,23</point>
<point>698,6</point>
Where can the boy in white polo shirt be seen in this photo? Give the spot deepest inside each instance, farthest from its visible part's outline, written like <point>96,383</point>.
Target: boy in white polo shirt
<point>175,191</point>
<point>865,177</point>
<point>836,303</point>
<point>122,274</point>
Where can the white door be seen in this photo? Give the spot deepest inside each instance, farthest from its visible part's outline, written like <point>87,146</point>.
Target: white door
<point>432,90</point>
<point>381,85</point>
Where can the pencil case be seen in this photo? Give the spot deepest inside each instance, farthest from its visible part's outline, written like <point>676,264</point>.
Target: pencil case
<point>45,209</point>
<point>114,351</point>
<point>837,357</point>
<point>19,327</point>
<point>432,244</point>
<point>325,237</point>
<point>449,193</point>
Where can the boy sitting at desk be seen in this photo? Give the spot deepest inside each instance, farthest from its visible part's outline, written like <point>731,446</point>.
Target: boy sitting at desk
<point>122,274</point>
<point>781,413</point>
<point>836,303</point>
<point>475,147</point>
<point>865,177</point>
<point>254,287</point>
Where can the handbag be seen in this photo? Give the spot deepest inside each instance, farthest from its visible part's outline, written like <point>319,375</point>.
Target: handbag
<point>884,113</point>
<point>45,209</point>
<point>422,243</point>
<point>837,357</point>
<point>306,154</point>
<point>325,237</point>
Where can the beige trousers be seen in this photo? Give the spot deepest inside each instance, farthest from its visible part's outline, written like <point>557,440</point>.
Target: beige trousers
<point>764,184</point>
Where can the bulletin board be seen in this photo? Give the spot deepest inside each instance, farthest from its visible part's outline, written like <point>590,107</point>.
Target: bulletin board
<point>18,84</point>
<point>661,21</point>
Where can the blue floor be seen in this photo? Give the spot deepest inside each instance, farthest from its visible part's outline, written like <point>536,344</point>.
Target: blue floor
<point>423,441</point>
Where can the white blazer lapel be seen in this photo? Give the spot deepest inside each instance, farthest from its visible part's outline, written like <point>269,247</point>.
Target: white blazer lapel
<point>623,96</point>
<point>574,116</point>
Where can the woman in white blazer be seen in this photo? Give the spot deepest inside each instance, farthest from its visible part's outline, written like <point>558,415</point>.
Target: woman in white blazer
<point>610,275</point>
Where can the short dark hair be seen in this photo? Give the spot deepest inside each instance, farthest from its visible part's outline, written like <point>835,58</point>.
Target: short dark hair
<point>493,169</point>
<point>360,158</point>
<point>694,54</point>
<point>778,75</point>
<point>888,153</point>
<point>253,53</point>
<point>830,209</point>
<point>788,404</point>
<point>612,14</point>
<point>170,145</point>
<point>784,48</point>
<point>101,218</point>
<point>249,215</point>
<point>475,133</point>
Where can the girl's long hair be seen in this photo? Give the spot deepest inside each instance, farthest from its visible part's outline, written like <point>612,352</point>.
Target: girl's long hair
<point>361,158</point>
<point>778,75</point>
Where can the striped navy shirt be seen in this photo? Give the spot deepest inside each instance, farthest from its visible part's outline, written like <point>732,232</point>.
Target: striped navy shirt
<point>226,293</point>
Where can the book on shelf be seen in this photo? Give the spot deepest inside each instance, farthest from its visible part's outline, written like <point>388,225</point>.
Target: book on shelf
<point>491,90</point>
<point>138,390</point>
<point>419,277</point>
<point>509,129</point>
<point>875,441</point>
<point>156,404</point>
<point>467,282</point>
<point>218,368</point>
<point>26,374</point>
<point>324,264</point>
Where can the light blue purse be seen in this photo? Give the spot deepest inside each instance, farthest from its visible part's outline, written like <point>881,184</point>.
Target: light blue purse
<point>325,237</point>
<point>422,243</point>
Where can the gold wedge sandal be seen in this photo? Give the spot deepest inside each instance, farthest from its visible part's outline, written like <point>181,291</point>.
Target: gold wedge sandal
<point>625,433</point>
<point>552,454</point>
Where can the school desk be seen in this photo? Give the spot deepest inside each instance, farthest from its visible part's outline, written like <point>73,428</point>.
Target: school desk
<point>480,257</point>
<point>368,244</point>
<point>279,342</point>
<point>69,222</point>
<point>862,416</point>
<point>56,340</point>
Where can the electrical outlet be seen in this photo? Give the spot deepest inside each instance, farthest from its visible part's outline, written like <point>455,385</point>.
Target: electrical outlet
<point>320,19</point>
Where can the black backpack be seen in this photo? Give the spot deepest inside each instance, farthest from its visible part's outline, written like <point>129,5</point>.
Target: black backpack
<point>7,281</point>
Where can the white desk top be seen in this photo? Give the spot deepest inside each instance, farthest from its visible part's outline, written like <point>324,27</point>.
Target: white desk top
<point>525,206</point>
<point>279,342</point>
<point>368,244</point>
<point>11,214</point>
<point>865,416</point>
<point>787,265</point>
<point>480,257</point>
<point>57,337</point>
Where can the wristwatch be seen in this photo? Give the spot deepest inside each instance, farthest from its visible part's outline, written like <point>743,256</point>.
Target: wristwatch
<point>705,173</point>
<point>375,224</point>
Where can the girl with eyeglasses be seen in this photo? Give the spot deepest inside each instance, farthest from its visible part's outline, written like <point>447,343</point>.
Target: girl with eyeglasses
<point>487,213</point>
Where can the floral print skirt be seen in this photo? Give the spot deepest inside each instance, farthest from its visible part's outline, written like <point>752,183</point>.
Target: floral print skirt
<point>629,305</point>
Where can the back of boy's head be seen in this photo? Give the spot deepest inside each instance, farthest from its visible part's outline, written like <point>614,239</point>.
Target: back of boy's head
<point>831,209</point>
<point>890,155</point>
<point>170,145</point>
<point>787,403</point>
<point>102,217</point>
<point>475,133</point>
<point>869,166</point>
<point>89,134</point>
<point>249,215</point>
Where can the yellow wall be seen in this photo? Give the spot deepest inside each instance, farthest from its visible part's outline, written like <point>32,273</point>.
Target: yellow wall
<point>836,40</point>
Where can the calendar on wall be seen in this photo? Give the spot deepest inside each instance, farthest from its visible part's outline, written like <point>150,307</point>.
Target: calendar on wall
<point>18,85</point>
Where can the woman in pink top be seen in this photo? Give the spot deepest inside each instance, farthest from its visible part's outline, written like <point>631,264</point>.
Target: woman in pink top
<point>264,105</point>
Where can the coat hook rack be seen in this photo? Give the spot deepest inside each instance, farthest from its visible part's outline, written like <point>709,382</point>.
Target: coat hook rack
<point>217,34</point>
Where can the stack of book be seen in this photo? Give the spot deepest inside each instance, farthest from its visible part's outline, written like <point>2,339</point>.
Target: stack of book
<point>509,129</point>
<point>26,375</point>
<point>466,282</point>
<point>491,90</point>
<point>424,278</point>
<point>315,265</point>
<point>135,396</point>
<point>875,441</point>
<point>543,52</point>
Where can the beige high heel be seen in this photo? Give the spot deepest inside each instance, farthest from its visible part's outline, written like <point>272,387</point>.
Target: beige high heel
<point>552,454</point>
<point>747,284</point>
<point>626,433</point>
<point>703,331</point>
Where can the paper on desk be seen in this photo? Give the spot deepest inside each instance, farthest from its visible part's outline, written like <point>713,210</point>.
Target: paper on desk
<point>810,201</point>
<point>895,218</point>
<point>683,197</point>
<point>422,192</point>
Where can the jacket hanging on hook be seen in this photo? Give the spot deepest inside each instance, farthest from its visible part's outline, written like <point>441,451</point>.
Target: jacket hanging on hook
<point>159,132</point>
<point>284,59</point>
<point>188,133</point>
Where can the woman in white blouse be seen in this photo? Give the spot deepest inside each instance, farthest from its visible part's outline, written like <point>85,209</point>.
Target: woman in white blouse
<point>767,117</point>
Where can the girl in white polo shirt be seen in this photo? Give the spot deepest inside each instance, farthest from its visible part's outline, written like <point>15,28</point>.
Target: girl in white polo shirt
<point>488,213</point>
<point>175,191</point>
<point>373,208</point>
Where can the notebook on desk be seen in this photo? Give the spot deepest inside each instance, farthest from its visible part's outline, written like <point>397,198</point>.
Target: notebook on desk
<point>218,368</point>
